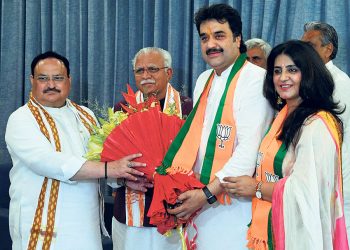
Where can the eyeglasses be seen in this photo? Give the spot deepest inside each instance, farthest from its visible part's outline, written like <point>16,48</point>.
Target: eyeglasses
<point>45,78</point>
<point>150,70</point>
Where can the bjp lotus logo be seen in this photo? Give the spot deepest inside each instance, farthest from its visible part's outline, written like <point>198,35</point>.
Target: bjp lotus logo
<point>223,133</point>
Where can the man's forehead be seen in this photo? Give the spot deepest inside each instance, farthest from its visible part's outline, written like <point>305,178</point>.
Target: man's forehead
<point>150,58</point>
<point>213,26</point>
<point>312,35</point>
<point>50,62</point>
<point>255,50</point>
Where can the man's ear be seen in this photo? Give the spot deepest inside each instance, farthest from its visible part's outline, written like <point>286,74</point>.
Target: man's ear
<point>70,83</point>
<point>329,50</point>
<point>169,73</point>
<point>31,79</point>
<point>238,39</point>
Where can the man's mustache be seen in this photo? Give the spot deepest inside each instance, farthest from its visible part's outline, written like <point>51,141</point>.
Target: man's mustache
<point>147,81</point>
<point>214,50</point>
<point>52,89</point>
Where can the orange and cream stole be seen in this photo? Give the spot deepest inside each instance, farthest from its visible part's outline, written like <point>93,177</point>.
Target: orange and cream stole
<point>221,150</point>
<point>258,232</point>
<point>40,114</point>
<point>135,200</point>
<point>172,100</point>
<point>338,230</point>
<point>340,240</point>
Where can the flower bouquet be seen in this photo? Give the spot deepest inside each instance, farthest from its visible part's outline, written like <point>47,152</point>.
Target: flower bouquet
<point>144,128</point>
<point>99,135</point>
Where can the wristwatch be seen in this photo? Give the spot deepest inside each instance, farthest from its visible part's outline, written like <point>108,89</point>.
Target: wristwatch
<point>210,197</point>
<point>258,193</point>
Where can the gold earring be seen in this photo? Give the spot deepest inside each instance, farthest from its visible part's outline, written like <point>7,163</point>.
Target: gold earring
<point>279,100</point>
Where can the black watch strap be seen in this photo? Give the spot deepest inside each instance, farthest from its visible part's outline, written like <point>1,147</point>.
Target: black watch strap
<point>210,197</point>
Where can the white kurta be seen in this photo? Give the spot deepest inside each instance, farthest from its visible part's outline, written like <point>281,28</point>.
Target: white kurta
<point>145,238</point>
<point>342,94</point>
<point>225,226</point>
<point>33,157</point>
<point>308,204</point>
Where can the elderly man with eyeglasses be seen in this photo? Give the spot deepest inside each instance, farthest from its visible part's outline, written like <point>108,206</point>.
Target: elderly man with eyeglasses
<point>130,224</point>
<point>54,192</point>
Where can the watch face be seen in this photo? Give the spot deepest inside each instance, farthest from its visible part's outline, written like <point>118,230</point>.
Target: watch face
<point>258,194</point>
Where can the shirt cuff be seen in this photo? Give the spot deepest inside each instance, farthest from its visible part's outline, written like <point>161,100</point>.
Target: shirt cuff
<point>72,166</point>
<point>232,172</point>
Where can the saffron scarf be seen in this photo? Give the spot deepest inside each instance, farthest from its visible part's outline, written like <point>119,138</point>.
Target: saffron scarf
<point>268,169</point>
<point>182,153</point>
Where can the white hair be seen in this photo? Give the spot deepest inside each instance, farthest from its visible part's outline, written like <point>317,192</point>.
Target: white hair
<point>165,54</point>
<point>257,42</point>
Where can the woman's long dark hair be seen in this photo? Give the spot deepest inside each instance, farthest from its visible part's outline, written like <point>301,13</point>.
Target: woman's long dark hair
<point>316,87</point>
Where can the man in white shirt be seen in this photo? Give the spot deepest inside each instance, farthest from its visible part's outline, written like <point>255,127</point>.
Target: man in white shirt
<point>323,37</point>
<point>233,89</point>
<point>54,192</point>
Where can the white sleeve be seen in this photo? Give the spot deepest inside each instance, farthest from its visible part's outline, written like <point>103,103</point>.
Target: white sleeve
<point>253,115</point>
<point>29,147</point>
<point>309,189</point>
<point>200,84</point>
<point>112,183</point>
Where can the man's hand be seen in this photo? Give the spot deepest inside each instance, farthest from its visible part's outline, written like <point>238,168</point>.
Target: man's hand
<point>140,185</point>
<point>190,201</point>
<point>123,168</point>
<point>241,186</point>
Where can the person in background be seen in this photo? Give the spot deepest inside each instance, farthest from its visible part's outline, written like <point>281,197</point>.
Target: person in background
<point>298,166</point>
<point>152,71</point>
<point>54,195</point>
<point>230,118</point>
<point>257,51</point>
<point>323,37</point>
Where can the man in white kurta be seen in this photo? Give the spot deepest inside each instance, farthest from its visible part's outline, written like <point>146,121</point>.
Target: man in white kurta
<point>127,225</point>
<point>54,195</point>
<point>252,113</point>
<point>323,37</point>
<point>224,226</point>
<point>77,212</point>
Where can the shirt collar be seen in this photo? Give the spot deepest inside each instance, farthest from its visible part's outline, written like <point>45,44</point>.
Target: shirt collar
<point>225,73</point>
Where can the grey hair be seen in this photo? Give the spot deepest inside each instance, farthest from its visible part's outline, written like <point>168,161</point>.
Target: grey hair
<point>259,43</point>
<point>328,34</point>
<point>165,54</point>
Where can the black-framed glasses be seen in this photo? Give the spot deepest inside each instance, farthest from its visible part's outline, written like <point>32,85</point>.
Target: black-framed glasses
<point>150,70</point>
<point>45,78</point>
